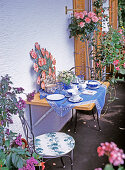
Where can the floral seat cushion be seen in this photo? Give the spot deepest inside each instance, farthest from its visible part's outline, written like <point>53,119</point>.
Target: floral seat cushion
<point>54,144</point>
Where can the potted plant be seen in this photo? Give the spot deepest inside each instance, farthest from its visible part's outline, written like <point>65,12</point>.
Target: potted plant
<point>12,153</point>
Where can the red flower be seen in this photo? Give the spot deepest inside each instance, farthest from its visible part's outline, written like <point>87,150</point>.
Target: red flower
<point>116,62</point>
<point>47,54</point>
<point>50,71</point>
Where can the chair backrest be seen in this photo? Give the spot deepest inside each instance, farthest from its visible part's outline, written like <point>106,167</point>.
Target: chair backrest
<point>28,134</point>
<point>89,73</point>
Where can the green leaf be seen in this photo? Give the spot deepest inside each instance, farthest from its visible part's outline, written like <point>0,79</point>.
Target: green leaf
<point>17,160</point>
<point>122,71</point>
<point>7,143</point>
<point>8,160</point>
<point>121,168</point>
<point>4,168</point>
<point>109,167</point>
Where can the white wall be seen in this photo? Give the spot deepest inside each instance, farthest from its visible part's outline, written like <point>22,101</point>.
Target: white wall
<point>24,22</point>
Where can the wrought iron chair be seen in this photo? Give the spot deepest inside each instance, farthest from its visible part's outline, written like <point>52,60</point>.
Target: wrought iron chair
<point>49,145</point>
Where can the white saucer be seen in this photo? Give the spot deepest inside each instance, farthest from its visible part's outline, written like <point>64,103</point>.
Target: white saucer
<point>74,100</point>
<point>55,97</point>
<point>94,87</point>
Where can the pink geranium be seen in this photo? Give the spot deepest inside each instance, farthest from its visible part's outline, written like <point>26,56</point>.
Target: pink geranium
<point>85,12</point>
<point>91,14</point>
<point>82,24</point>
<point>116,62</point>
<point>117,68</point>
<point>95,19</point>
<point>81,15</point>
<point>87,20</point>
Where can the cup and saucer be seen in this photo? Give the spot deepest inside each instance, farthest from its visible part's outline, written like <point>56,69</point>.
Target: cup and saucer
<point>75,97</point>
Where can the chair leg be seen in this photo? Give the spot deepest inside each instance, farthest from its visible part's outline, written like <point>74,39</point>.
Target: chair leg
<point>62,162</point>
<point>72,160</point>
<point>75,122</point>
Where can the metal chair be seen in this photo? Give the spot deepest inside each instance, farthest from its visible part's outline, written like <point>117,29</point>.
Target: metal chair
<point>49,145</point>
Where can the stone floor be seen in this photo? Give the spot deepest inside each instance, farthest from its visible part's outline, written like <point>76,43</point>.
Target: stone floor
<point>88,138</point>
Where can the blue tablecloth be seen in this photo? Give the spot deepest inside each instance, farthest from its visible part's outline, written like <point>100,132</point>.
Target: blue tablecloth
<point>62,108</point>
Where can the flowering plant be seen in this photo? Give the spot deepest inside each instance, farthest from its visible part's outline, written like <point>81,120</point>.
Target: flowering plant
<point>66,77</point>
<point>110,51</point>
<point>83,24</point>
<point>12,153</point>
<point>115,155</point>
<point>44,65</point>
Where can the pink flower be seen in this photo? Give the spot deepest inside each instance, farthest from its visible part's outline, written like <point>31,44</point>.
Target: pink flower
<point>35,67</point>
<point>43,75</point>
<point>41,61</point>
<point>47,54</point>
<point>54,75</point>
<point>43,85</point>
<point>44,61</point>
<point>50,71</point>
<point>81,15</point>
<point>38,80</point>
<point>82,24</point>
<point>85,12</point>
<point>54,68</point>
<point>123,51</point>
<point>116,62</point>
<point>54,61</point>
<point>95,19</point>
<point>18,140</point>
<point>43,51</point>
<point>37,46</point>
<point>97,64</point>
<point>91,14</point>
<point>87,20</point>
<point>51,57</point>
<point>117,68</point>
<point>124,65</point>
<point>76,15</point>
<point>33,54</point>
<point>120,31</point>
<point>100,151</point>
<point>98,169</point>
<point>100,18</point>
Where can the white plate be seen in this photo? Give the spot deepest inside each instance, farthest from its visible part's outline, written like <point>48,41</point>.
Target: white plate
<point>75,101</point>
<point>55,97</point>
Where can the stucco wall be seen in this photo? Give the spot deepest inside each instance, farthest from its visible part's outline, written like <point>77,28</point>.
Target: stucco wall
<point>24,22</point>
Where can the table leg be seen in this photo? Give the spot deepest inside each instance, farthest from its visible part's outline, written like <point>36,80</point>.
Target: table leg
<point>31,125</point>
<point>75,122</point>
<point>98,122</point>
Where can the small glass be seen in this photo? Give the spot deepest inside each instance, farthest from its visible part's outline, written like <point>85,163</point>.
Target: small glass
<point>81,79</point>
<point>59,86</point>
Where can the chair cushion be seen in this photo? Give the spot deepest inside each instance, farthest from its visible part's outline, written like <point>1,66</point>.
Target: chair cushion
<point>54,144</point>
